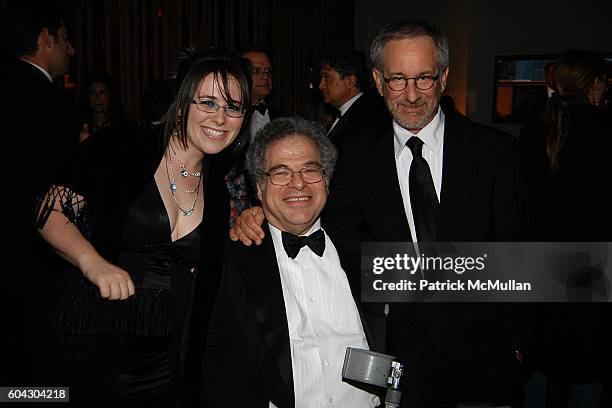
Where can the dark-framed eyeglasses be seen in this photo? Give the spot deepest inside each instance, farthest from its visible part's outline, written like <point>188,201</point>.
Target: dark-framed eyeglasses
<point>423,82</point>
<point>208,106</point>
<point>262,72</point>
<point>282,175</point>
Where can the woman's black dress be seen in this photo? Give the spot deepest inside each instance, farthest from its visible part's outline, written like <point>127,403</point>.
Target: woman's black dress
<point>147,349</point>
<point>148,365</point>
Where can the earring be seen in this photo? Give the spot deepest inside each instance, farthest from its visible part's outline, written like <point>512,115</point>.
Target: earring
<point>596,95</point>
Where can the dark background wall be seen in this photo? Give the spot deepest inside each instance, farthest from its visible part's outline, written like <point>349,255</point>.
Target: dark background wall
<point>137,41</point>
<point>478,30</point>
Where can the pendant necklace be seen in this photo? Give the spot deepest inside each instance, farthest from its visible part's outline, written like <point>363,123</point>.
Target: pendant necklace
<point>184,172</point>
<point>173,184</point>
<point>173,187</point>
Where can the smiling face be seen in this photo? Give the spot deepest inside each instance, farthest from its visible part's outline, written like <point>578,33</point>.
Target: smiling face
<point>296,206</point>
<point>210,133</point>
<point>411,108</point>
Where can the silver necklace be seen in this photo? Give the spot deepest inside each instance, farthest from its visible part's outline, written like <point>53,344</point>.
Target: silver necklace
<point>184,172</point>
<point>173,187</point>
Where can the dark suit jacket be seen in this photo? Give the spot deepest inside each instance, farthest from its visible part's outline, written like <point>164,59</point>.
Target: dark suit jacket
<point>458,352</point>
<point>276,112</point>
<point>366,116</point>
<point>35,125</point>
<point>248,356</point>
<point>37,128</point>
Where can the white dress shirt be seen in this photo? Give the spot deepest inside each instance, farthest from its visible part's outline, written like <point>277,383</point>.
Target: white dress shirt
<point>345,106</point>
<point>433,143</point>
<point>258,121</point>
<point>323,321</point>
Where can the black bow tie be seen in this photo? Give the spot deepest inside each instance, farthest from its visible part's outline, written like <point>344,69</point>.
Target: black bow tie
<point>261,108</point>
<point>293,243</point>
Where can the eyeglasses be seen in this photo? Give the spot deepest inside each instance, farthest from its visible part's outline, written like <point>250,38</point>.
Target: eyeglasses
<point>208,106</point>
<point>423,82</point>
<point>262,72</point>
<point>281,176</point>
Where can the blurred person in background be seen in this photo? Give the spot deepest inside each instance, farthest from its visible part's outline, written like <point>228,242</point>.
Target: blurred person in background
<point>566,155</point>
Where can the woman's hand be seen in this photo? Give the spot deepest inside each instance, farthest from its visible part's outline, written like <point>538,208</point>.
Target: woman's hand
<point>114,283</point>
<point>84,134</point>
<point>248,227</point>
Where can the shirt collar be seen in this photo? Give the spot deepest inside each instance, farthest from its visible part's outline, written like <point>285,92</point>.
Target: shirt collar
<point>48,75</point>
<point>315,227</point>
<point>431,135</point>
<point>346,105</point>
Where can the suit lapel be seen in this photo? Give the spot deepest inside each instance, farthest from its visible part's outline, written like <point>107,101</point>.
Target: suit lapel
<point>263,285</point>
<point>386,190</point>
<point>457,176</point>
<point>343,119</point>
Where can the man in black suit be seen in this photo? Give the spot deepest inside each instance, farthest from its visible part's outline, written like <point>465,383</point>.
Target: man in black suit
<point>261,72</point>
<point>37,138</point>
<point>453,353</point>
<point>345,84</point>
<point>285,313</point>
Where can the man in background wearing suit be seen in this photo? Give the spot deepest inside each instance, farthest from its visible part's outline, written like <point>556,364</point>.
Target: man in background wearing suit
<point>467,190</point>
<point>345,84</point>
<point>285,313</point>
<point>261,72</point>
<point>38,135</point>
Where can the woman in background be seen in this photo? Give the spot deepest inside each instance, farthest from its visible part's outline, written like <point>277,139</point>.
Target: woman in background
<point>100,105</point>
<point>567,160</point>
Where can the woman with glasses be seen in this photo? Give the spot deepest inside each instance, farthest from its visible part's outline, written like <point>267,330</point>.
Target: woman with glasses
<point>140,221</point>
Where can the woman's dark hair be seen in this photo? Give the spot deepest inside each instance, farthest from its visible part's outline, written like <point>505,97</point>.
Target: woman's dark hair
<point>115,113</point>
<point>192,70</point>
<point>574,75</point>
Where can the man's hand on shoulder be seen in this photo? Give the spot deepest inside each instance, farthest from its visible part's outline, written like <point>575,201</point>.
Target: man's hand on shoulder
<point>248,227</point>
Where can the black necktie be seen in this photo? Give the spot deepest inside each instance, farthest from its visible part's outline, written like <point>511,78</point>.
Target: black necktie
<point>423,198</point>
<point>293,243</point>
<point>261,108</point>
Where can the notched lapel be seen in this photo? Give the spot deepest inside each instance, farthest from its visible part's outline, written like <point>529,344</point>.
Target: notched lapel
<point>341,122</point>
<point>386,190</point>
<point>263,285</point>
<point>459,165</point>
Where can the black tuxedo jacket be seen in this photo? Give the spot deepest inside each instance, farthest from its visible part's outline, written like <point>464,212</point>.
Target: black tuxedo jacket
<point>367,116</point>
<point>36,137</point>
<point>452,352</point>
<point>276,112</point>
<point>248,356</point>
